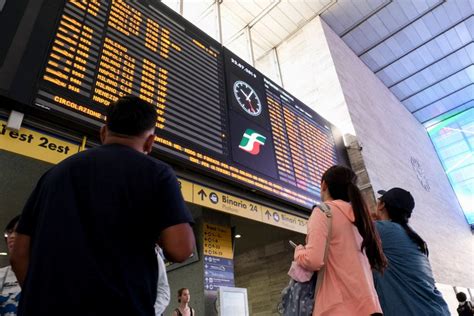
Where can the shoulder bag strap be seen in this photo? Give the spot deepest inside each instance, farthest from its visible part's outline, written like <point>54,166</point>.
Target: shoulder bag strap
<point>327,211</point>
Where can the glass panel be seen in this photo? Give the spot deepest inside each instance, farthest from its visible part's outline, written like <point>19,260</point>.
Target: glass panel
<point>453,140</point>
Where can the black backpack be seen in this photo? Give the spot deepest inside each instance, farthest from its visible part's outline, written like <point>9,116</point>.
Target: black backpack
<point>466,309</point>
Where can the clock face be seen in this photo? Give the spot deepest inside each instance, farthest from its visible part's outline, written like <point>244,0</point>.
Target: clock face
<point>247,98</point>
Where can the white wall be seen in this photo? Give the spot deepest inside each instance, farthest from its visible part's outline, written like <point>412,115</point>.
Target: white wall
<point>323,72</point>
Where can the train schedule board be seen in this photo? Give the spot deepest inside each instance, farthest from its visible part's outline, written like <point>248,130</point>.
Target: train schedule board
<point>103,50</point>
<point>301,144</point>
<point>217,115</point>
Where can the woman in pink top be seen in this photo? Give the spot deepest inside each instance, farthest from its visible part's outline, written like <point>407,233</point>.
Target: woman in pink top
<point>347,287</point>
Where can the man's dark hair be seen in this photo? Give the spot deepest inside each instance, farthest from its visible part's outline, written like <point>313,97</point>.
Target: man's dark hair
<point>461,296</point>
<point>130,116</point>
<point>11,224</point>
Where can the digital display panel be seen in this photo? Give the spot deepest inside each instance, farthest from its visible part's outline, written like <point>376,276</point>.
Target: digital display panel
<point>216,114</point>
<point>300,144</point>
<point>106,49</point>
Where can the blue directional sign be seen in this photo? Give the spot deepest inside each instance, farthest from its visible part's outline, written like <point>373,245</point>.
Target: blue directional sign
<point>218,272</point>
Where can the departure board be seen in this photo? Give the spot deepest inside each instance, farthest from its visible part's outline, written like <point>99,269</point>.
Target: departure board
<point>103,50</point>
<point>304,145</point>
<point>217,115</point>
<point>296,144</point>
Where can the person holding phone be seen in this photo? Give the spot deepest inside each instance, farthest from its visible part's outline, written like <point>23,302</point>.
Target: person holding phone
<point>347,287</point>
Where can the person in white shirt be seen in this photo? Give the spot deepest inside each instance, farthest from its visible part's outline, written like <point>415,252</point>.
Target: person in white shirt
<point>163,288</point>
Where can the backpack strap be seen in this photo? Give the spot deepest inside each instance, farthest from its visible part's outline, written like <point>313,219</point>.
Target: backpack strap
<point>327,211</point>
<point>469,304</point>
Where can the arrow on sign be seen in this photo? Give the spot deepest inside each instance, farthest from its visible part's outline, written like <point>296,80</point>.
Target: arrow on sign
<point>268,214</point>
<point>202,194</point>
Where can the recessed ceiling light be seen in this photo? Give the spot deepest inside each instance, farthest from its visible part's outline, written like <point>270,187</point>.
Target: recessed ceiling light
<point>238,236</point>
<point>3,254</point>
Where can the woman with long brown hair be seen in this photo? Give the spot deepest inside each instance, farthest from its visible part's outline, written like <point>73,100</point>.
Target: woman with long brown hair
<point>347,286</point>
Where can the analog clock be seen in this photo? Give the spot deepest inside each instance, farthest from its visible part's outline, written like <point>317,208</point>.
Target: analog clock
<point>247,98</point>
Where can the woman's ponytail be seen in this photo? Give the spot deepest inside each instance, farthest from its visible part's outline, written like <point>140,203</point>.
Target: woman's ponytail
<point>341,182</point>
<point>363,221</point>
<point>401,217</point>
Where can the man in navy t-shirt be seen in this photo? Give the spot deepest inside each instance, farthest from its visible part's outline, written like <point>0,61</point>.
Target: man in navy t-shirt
<point>86,239</point>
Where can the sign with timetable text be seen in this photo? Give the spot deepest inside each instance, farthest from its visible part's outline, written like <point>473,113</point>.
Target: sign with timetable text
<point>218,255</point>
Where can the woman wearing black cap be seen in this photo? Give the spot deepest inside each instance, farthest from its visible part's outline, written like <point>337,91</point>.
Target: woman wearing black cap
<point>407,286</point>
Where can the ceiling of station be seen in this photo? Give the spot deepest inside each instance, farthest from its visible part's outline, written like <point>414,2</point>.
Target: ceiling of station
<point>422,50</point>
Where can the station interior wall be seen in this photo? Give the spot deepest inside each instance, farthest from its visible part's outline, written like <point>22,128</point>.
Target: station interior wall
<point>263,271</point>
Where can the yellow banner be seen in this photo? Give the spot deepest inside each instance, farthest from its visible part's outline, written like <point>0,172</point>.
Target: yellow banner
<point>30,143</point>
<point>217,241</point>
<point>226,203</point>
<point>186,190</point>
<point>284,220</point>
<point>223,202</point>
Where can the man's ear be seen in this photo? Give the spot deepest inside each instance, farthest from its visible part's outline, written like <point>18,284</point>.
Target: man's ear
<point>103,133</point>
<point>148,145</point>
<point>380,205</point>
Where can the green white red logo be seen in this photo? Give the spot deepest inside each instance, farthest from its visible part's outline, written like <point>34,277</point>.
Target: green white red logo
<point>251,141</point>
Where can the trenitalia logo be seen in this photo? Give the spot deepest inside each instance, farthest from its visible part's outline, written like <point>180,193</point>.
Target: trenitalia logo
<point>251,141</point>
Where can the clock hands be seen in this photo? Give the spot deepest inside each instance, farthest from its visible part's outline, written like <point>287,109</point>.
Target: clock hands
<point>251,106</point>
<point>248,96</point>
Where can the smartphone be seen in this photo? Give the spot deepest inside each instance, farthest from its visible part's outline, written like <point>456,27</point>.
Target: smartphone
<point>292,244</point>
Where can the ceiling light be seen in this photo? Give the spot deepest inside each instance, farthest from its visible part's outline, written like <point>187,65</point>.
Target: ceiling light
<point>238,236</point>
<point>3,254</point>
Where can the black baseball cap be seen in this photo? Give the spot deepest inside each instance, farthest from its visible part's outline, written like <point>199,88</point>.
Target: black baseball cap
<point>399,198</point>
